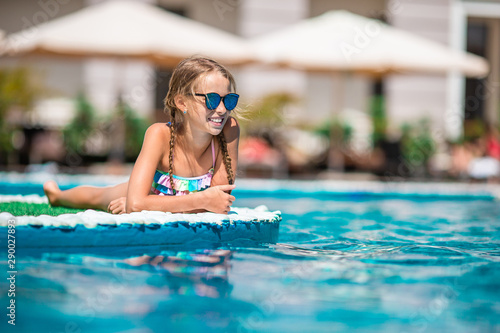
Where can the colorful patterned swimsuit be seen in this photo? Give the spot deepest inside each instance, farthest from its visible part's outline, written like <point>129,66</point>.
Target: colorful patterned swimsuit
<point>183,185</point>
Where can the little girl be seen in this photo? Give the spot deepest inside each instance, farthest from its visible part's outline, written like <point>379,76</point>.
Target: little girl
<point>195,153</point>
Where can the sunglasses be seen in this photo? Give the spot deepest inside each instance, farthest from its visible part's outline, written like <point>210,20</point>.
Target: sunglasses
<point>212,100</point>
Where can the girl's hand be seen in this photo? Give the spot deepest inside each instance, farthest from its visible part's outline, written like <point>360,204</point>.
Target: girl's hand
<point>117,206</point>
<point>215,199</point>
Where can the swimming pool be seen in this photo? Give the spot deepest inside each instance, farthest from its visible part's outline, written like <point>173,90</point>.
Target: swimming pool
<point>346,260</point>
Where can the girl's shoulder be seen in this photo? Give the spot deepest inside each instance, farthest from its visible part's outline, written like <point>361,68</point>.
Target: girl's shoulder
<point>161,130</point>
<point>157,134</point>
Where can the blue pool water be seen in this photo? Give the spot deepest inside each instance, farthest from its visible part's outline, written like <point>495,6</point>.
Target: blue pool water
<point>342,264</point>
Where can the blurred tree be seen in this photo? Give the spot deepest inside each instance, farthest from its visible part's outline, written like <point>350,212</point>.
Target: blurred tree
<point>79,130</point>
<point>135,129</point>
<point>268,115</point>
<point>417,146</point>
<point>342,132</point>
<point>17,89</point>
<point>123,132</point>
<point>379,119</point>
<point>339,136</point>
<point>474,129</point>
<point>127,130</point>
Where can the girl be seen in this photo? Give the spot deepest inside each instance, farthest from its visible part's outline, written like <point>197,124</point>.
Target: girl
<point>201,139</point>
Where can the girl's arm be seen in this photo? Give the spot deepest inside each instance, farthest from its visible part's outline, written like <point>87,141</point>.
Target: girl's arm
<point>138,194</point>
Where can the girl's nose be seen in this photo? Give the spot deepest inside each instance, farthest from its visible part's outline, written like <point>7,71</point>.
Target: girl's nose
<point>221,108</point>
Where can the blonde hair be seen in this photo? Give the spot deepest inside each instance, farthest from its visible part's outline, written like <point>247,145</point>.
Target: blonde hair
<point>184,78</point>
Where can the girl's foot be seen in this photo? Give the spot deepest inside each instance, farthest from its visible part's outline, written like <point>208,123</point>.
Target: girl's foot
<point>52,192</point>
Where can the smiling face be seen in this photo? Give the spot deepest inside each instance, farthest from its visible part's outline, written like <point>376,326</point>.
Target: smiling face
<point>198,114</point>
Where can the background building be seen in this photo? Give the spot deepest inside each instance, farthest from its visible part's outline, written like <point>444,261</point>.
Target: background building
<point>444,99</point>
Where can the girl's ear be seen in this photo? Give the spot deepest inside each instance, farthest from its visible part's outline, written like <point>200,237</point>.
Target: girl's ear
<point>180,102</point>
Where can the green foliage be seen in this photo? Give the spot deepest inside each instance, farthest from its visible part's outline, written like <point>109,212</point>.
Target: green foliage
<point>35,209</point>
<point>16,89</point>
<point>342,132</point>
<point>5,138</point>
<point>135,129</point>
<point>379,119</point>
<point>473,129</point>
<point>81,127</point>
<point>417,143</point>
<point>268,114</point>
<point>85,124</point>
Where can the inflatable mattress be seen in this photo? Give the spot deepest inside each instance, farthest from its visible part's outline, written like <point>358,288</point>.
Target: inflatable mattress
<point>92,228</point>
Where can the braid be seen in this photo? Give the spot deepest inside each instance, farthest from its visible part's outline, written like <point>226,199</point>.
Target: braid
<point>171,152</point>
<point>226,158</point>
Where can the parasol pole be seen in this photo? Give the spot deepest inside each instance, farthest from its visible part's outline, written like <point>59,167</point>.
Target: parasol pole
<point>335,152</point>
<point>117,153</point>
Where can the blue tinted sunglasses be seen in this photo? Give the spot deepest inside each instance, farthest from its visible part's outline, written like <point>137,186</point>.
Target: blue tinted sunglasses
<point>212,100</point>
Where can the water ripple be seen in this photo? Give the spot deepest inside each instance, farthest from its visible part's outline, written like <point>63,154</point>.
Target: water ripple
<point>348,265</point>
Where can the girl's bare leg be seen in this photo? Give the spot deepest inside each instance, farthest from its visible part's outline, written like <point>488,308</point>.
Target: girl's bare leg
<point>89,197</point>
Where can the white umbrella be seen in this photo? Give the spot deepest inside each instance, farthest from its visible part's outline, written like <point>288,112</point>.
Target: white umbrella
<point>128,29</point>
<point>342,41</point>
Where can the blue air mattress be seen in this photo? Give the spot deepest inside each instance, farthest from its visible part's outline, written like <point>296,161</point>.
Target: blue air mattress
<point>100,229</point>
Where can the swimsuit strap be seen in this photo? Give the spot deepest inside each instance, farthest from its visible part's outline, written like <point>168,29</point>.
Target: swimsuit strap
<point>213,154</point>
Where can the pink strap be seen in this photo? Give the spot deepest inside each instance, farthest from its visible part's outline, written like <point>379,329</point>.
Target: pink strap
<point>213,154</point>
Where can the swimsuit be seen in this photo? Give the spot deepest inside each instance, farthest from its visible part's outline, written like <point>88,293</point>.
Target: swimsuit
<point>183,185</point>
